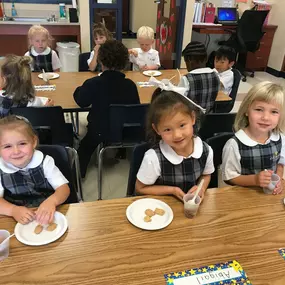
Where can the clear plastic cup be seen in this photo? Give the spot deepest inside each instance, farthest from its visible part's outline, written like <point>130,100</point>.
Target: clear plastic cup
<point>191,207</point>
<point>4,246</point>
<point>274,180</point>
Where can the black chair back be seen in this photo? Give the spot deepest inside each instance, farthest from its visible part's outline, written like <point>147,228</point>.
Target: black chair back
<point>49,123</point>
<point>127,123</point>
<point>83,65</point>
<point>217,144</point>
<point>215,123</point>
<point>137,157</point>
<point>61,159</point>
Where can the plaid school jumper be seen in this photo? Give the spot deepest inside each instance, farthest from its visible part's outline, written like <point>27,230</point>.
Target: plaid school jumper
<point>6,103</point>
<point>183,175</point>
<point>203,89</point>
<point>26,188</point>
<point>42,62</point>
<point>259,157</point>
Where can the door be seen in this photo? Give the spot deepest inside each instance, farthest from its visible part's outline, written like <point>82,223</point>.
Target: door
<point>169,31</point>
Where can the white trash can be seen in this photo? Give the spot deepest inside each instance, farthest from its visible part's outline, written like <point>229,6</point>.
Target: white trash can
<point>68,55</point>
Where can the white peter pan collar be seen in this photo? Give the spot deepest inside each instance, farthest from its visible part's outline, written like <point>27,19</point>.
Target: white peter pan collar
<point>202,70</point>
<point>245,139</point>
<point>45,52</point>
<point>174,158</point>
<point>9,168</point>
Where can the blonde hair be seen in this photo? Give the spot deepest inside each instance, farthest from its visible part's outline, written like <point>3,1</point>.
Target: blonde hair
<point>18,123</point>
<point>101,30</point>
<point>266,92</point>
<point>17,76</point>
<point>145,32</point>
<point>38,29</point>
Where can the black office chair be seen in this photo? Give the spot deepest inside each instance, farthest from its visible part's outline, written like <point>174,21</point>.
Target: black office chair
<point>137,157</point>
<point>217,144</point>
<point>226,106</point>
<point>83,65</point>
<point>126,129</point>
<point>216,123</point>
<point>49,123</point>
<point>67,161</point>
<point>247,36</point>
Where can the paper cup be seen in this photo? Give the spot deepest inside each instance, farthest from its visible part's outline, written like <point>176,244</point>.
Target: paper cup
<point>191,207</point>
<point>4,246</point>
<point>274,180</point>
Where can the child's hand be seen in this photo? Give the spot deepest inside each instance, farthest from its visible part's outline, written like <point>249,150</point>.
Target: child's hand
<point>96,48</point>
<point>144,67</point>
<point>23,215</point>
<point>133,52</point>
<point>45,212</point>
<point>278,188</point>
<point>193,190</point>
<point>49,102</point>
<point>264,178</point>
<point>178,193</point>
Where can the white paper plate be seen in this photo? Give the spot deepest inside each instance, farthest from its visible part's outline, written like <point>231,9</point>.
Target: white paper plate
<point>51,75</point>
<point>25,233</point>
<point>136,213</point>
<point>152,73</point>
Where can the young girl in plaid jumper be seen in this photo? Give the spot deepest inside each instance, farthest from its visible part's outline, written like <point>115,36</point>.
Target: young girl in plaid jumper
<point>178,159</point>
<point>257,148</point>
<point>28,178</point>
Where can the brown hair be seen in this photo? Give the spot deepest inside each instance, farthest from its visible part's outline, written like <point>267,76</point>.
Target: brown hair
<point>38,29</point>
<point>13,122</point>
<point>17,78</point>
<point>167,103</point>
<point>101,30</point>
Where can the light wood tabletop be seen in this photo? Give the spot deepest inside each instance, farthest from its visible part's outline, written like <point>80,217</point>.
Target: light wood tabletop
<point>102,247</point>
<point>69,81</point>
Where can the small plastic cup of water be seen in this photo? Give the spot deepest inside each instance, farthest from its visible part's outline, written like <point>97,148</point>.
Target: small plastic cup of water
<point>274,180</point>
<point>191,207</point>
<point>4,246</point>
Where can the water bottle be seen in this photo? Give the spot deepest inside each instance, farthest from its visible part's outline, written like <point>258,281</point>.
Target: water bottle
<point>62,11</point>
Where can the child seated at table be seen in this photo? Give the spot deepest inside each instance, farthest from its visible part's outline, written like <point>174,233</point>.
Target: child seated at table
<point>224,61</point>
<point>16,85</point>
<point>201,83</point>
<point>111,87</point>
<point>257,150</point>
<point>44,58</point>
<point>178,159</point>
<point>144,57</point>
<point>27,177</point>
<point>100,35</point>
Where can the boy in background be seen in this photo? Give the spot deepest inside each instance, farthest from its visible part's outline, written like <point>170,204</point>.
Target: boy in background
<point>144,57</point>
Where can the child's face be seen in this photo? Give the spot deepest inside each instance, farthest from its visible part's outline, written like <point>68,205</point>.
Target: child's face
<point>145,44</point>
<point>263,117</point>
<point>17,148</point>
<point>39,42</point>
<point>99,39</point>
<point>177,131</point>
<point>223,64</point>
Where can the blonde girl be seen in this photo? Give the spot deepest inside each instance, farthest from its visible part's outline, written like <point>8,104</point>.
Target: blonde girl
<point>16,84</point>
<point>257,148</point>
<point>39,49</point>
<point>28,178</point>
<point>100,35</point>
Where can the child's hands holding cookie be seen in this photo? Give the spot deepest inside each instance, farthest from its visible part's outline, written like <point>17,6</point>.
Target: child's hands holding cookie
<point>45,212</point>
<point>23,215</point>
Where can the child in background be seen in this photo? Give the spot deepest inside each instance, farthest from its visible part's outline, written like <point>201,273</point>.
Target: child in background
<point>39,49</point>
<point>224,61</point>
<point>145,57</point>
<point>179,159</point>
<point>258,147</point>
<point>27,177</point>
<point>99,92</point>
<point>201,83</point>
<point>100,35</point>
<point>16,84</point>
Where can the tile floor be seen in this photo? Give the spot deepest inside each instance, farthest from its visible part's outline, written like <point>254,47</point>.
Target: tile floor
<point>115,176</point>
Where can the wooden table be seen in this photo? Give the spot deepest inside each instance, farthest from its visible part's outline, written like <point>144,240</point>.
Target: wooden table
<point>102,247</point>
<point>68,81</point>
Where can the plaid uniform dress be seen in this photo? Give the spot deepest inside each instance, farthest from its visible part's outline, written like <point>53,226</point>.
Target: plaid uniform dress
<point>26,188</point>
<point>6,103</point>
<point>260,157</point>
<point>183,175</point>
<point>203,89</point>
<point>42,62</point>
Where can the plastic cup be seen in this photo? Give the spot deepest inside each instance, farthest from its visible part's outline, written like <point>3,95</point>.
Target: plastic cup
<point>191,207</point>
<point>4,246</point>
<point>274,180</point>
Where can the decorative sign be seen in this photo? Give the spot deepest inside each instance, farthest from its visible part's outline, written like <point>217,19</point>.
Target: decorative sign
<point>228,3</point>
<point>220,274</point>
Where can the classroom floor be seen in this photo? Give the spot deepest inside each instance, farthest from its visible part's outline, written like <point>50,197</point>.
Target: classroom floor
<point>115,175</point>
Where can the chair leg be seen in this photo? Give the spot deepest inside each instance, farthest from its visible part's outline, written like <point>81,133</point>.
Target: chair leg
<point>78,175</point>
<point>100,169</point>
